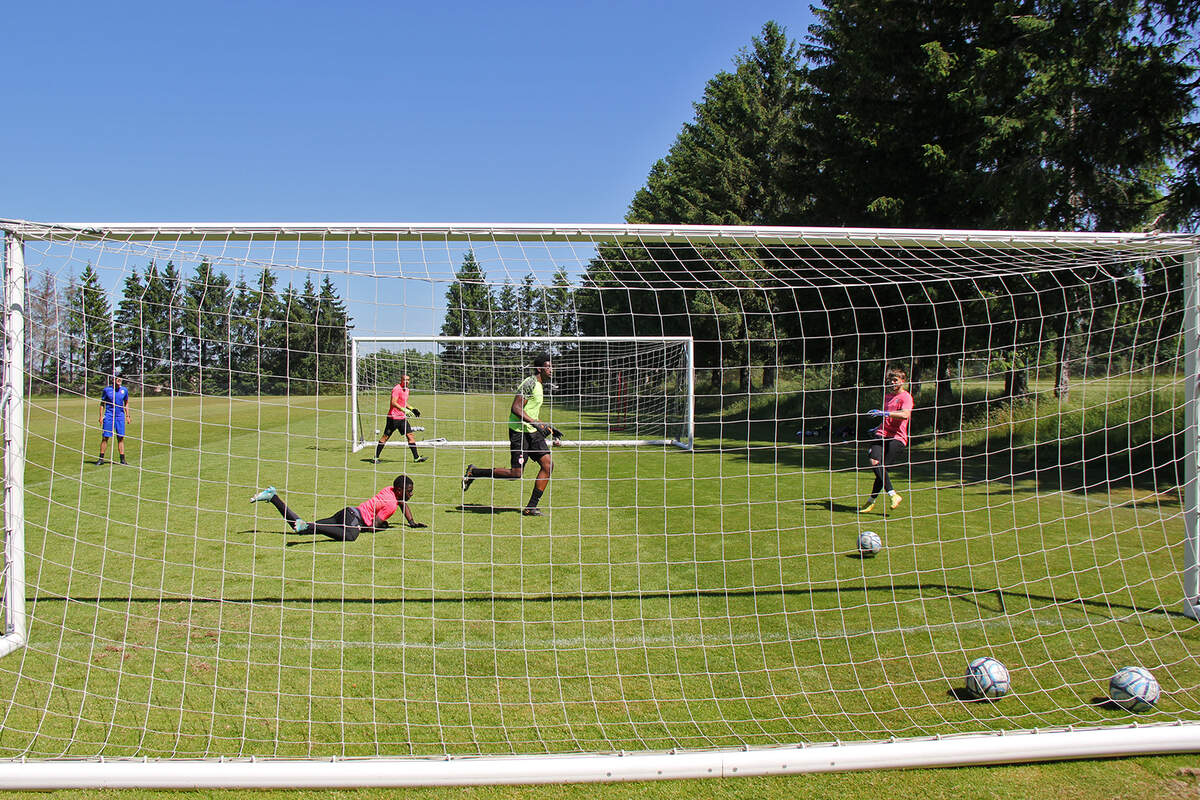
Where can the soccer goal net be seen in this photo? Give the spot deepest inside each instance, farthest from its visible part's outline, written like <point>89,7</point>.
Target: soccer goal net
<point>617,390</point>
<point>201,562</point>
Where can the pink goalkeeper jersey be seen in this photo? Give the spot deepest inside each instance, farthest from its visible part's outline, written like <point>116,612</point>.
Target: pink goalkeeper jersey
<point>399,396</point>
<point>381,506</point>
<point>892,427</point>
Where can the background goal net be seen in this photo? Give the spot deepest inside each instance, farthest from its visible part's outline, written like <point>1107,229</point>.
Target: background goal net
<point>619,391</point>
<point>705,608</point>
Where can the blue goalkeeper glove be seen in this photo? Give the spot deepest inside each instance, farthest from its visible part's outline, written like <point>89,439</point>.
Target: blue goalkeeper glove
<point>877,412</point>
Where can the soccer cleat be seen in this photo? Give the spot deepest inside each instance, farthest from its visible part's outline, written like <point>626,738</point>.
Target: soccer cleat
<point>533,512</point>
<point>868,508</point>
<point>374,460</point>
<point>420,460</point>
<point>300,525</point>
<point>99,462</point>
<point>264,496</point>
<point>467,479</point>
<point>896,500</point>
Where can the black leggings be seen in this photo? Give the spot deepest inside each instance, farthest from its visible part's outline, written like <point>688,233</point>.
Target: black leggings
<point>887,452</point>
<point>344,526</point>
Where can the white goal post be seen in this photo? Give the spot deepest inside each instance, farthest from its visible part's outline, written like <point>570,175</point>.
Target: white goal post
<point>692,602</point>
<point>627,386</point>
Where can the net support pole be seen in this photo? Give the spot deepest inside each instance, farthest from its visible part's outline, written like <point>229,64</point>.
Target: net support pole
<point>691,390</point>
<point>12,411</point>
<point>1191,436</point>
<point>353,387</point>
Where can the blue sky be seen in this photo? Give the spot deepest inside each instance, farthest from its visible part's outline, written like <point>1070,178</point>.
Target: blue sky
<point>358,111</point>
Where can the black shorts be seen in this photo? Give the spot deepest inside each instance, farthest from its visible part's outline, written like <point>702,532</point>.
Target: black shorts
<point>524,447</point>
<point>886,451</point>
<point>394,425</point>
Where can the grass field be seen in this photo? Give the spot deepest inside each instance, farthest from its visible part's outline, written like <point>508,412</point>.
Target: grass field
<point>669,599</point>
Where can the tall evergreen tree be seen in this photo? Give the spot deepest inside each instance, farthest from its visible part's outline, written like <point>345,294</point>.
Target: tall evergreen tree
<point>207,300</point>
<point>128,324</point>
<point>332,333</point>
<point>470,311</point>
<point>737,162</point>
<point>90,322</point>
<point>1054,114</point>
<point>300,363</point>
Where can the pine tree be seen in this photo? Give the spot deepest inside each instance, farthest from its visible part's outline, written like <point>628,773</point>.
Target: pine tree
<point>332,339</point>
<point>90,324</point>
<point>129,324</point>
<point>470,306</point>
<point>207,300</point>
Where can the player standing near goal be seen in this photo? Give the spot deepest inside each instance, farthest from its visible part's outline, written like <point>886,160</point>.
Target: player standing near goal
<point>397,419</point>
<point>526,437</point>
<point>347,524</point>
<point>892,435</point>
<point>114,411</point>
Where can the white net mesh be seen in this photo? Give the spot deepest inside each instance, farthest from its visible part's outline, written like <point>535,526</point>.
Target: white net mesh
<point>667,598</point>
<point>615,392</point>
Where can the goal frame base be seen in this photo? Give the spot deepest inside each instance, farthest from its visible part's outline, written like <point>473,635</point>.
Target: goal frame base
<point>946,751</point>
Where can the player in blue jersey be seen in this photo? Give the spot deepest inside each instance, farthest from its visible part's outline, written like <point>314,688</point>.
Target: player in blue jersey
<point>114,412</point>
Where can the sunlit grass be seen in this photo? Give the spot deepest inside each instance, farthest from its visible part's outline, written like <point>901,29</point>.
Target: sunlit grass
<point>669,598</point>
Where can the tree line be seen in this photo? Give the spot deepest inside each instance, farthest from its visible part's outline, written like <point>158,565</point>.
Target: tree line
<point>1036,115</point>
<point>196,334</point>
<point>1029,115</point>
<point>1016,115</point>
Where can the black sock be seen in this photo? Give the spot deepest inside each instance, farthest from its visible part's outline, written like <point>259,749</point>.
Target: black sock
<point>413,447</point>
<point>534,497</point>
<point>378,449</point>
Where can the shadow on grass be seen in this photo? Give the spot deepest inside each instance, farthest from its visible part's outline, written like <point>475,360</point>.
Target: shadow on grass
<point>482,509</point>
<point>961,694</point>
<point>964,594</point>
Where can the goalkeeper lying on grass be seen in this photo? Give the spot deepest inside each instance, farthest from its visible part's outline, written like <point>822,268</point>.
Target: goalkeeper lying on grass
<point>347,524</point>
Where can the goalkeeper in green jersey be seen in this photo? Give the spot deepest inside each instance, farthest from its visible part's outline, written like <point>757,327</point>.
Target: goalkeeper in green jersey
<point>526,437</point>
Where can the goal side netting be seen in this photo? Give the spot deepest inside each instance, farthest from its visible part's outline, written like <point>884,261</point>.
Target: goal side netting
<point>619,391</point>
<point>809,478</point>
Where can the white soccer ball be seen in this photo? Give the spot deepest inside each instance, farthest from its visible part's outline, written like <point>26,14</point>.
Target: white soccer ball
<point>987,677</point>
<point>1134,689</point>
<point>869,543</point>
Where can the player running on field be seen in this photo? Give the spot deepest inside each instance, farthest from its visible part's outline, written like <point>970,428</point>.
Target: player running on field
<point>114,411</point>
<point>892,435</point>
<point>526,437</point>
<point>397,420</point>
<point>347,524</point>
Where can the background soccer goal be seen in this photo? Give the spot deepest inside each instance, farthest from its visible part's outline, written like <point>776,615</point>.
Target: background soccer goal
<point>679,611</point>
<point>620,391</point>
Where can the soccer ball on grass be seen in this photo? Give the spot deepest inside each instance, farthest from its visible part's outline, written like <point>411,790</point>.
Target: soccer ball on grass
<point>869,543</point>
<point>987,678</point>
<point>1134,689</point>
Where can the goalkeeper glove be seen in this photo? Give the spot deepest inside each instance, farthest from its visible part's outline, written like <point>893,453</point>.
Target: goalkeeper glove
<point>877,412</point>
<point>415,411</point>
<point>416,525</point>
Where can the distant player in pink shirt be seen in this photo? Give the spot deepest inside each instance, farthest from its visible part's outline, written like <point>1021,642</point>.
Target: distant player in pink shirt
<point>347,524</point>
<point>891,435</point>
<point>397,420</point>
